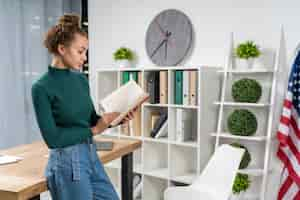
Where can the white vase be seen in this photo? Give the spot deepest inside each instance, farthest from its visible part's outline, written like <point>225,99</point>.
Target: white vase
<point>237,196</point>
<point>123,63</point>
<point>244,63</point>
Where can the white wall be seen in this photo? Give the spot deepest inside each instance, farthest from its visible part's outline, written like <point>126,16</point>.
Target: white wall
<point>116,23</point>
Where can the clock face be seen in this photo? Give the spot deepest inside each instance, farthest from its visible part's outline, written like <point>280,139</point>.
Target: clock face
<point>169,38</point>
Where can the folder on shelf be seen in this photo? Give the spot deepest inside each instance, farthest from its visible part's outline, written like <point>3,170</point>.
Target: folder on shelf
<point>163,131</point>
<point>158,124</point>
<point>153,87</point>
<point>193,87</point>
<point>185,88</point>
<point>183,125</point>
<point>125,77</point>
<point>133,76</point>
<point>154,117</point>
<point>124,99</point>
<point>178,86</point>
<point>163,87</point>
<point>178,123</point>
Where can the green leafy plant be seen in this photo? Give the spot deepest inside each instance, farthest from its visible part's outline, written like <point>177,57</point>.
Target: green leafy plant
<point>247,50</point>
<point>242,122</point>
<point>241,183</point>
<point>123,53</point>
<point>246,90</point>
<point>246,159</point>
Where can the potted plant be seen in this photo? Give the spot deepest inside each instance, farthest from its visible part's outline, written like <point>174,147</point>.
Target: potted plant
<point>240,185</point>
<point>246,52</point>
<point>123,56</point>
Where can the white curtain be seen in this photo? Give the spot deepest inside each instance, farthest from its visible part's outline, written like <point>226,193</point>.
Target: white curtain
<point>23,59</point>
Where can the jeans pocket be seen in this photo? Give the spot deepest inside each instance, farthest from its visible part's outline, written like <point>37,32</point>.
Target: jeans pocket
<point>68,163</point>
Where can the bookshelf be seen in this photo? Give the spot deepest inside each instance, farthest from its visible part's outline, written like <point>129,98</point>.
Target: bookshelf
<point>167,161</point>
<point>259,145</point>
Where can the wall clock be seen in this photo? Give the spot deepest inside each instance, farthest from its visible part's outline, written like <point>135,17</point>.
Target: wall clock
<point>169,38</point>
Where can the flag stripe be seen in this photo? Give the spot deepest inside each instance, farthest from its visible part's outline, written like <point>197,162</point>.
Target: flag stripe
<point>297,197</point>
<point>287,103</point>
<point>288,164</point>
<point>284,187</point>
<point>285,120</point>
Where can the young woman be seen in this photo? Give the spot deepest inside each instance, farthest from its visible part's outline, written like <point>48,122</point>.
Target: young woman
<point>67,118</point>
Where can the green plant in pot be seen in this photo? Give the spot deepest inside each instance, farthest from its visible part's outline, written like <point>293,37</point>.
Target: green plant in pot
<point>246,159</point>
<point>242,122</point>
<point>241,183</point>
<point>246,90</point>
<point>123,56</point>
<point>247,51</point>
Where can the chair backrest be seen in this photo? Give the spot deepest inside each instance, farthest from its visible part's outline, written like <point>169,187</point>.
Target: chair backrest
<point>218,176</point>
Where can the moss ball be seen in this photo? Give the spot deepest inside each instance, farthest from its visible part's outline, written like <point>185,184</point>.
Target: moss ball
<point>246,159</point>
<point>242,122</point>
<point>246,90</point>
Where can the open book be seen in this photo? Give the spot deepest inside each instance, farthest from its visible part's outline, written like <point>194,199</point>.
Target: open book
<point>6,159</point>
<point>124,99</point>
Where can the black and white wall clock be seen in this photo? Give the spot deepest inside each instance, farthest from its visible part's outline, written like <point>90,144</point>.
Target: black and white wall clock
<point>169,38</point>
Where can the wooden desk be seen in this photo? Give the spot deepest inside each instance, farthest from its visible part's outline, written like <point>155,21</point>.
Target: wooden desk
<point>25,180</point>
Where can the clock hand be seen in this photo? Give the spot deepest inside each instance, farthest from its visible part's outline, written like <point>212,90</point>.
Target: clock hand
<point>169,40</point>
<point>158,47</point>
<point>166,51</point>
<point>160,29</point>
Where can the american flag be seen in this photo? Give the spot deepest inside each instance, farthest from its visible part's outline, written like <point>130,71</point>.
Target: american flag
<point>288,135</point>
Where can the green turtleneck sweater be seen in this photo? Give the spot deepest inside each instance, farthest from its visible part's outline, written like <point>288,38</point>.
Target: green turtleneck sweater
<point>63,107</point>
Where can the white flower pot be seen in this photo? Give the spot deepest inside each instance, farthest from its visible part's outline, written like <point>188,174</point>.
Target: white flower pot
<point>237,196</point>
<point>123,63</point>
<point>244,63</point>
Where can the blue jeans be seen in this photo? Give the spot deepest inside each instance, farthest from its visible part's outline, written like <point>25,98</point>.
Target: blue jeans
<point>75,173</point>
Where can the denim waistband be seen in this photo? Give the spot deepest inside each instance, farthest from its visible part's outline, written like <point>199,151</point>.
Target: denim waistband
<point>89,140</point>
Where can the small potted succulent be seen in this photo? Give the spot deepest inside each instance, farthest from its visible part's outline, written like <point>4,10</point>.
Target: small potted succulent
<point>240,185</point>
<point>123,56</point>
<point>246,52</point>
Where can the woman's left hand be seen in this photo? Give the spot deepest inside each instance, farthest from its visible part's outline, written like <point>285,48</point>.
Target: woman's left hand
<point>129,116</point>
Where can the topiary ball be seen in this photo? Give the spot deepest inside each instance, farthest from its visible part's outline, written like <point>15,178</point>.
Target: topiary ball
<point>241,183</point>
<point>246,90</point>
<point>242,122</point>
<point>246,157</point>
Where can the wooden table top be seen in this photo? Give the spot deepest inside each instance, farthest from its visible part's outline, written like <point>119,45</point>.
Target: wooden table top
<point>25,179</point>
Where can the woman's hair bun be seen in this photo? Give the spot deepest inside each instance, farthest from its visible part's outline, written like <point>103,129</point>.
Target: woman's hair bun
<point>64,32</point>
<point>72,20</point>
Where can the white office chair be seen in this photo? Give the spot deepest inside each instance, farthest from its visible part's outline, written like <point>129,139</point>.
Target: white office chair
<point>216,180</point>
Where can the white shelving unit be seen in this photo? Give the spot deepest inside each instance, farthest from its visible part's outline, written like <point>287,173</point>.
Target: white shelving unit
<point>258,145</point>
<point>165,161</point>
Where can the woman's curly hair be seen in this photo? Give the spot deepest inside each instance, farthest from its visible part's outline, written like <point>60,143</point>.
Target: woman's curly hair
<point>63,33</point>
